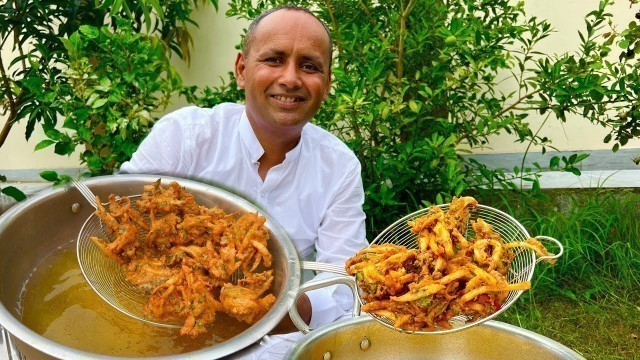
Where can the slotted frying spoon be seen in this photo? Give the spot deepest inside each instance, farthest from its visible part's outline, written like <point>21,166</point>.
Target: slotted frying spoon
<point>106,276</point>
<point>399,233</point>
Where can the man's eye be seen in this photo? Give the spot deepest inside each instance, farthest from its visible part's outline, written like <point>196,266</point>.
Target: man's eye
<point>309,67</point>
<point>272,60</point>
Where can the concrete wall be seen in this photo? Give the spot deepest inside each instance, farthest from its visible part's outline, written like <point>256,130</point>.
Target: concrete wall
<point>214,56</point>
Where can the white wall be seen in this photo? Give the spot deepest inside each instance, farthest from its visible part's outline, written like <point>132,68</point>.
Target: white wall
<point>567,17</point>
<point>214,54</point>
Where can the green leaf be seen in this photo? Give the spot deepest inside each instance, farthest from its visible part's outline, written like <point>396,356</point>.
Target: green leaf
<point>117,5</point>
<point>67,44</point>
<point>64,148</point>
<point>89,31</point>
<point>74,43</point>
<point>384,129</point>
<point>385,112</point>
<point>14,192</point>
<point>413,106</point>
<point>580,157</point>
<point>99,103</point>
<point>574,171</point>
<point>156,6</point>
<point>115,97</point>
<point>570,294</point>
<point>34,84</point>
<point>49,175</point>
<point>43,144</point>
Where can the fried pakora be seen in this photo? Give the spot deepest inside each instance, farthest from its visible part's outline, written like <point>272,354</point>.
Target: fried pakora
<point>445,276</point>
<point>185,256</point>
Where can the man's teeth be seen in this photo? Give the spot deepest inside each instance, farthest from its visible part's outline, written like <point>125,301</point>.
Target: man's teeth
<point>286,99</point>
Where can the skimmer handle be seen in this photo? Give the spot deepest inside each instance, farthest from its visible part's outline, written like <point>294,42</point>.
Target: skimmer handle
<point>86,192</point>
<point>550,257</point>
<point>319,266</point>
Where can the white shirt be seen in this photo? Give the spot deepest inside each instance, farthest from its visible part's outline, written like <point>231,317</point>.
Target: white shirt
<point>316,194</point>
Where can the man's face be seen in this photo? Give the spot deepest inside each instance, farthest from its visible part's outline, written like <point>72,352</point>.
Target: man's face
<point>285,72</point>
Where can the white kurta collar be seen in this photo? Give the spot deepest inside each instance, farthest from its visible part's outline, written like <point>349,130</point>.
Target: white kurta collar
<point>253,146</point>
<point>249,139</point>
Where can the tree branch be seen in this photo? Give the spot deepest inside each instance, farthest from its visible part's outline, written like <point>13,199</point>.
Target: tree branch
<point>401,36</point>
<point>334,23</point>
<point>371,20</point>
<point>11,104</point>
<point>513,106</point>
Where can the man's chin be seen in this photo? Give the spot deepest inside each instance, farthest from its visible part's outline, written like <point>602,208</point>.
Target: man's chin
<point>290,120</point>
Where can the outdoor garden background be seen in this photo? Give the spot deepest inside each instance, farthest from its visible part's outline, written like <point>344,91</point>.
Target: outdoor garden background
<point>531,107</point>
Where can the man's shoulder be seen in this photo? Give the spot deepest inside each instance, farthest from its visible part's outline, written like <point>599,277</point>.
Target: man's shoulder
<point>327,142</point>
<point>195,115</point>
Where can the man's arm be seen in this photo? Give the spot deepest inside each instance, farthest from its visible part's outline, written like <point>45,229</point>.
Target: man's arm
<point>340,236</point>
<point>161,152</point>
<point>286,325</point>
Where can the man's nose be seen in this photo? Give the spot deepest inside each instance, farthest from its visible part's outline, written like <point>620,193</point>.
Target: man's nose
<point>290,76</point>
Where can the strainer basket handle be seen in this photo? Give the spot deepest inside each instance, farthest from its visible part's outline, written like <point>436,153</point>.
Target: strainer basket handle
<point>550,257</point>
<point>318,284</point>
<point>86,192</point>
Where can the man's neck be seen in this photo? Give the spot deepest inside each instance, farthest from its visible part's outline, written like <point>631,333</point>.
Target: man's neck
<point>276,145</point>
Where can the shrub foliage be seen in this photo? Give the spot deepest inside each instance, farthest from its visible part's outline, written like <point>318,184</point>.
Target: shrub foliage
<point>417,84</point>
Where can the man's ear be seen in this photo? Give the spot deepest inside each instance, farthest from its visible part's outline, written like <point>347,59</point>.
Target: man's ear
<point>239,70</point>
<point>328,87</point>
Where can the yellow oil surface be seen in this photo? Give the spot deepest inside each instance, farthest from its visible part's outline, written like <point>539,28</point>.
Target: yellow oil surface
<point>60,305</point>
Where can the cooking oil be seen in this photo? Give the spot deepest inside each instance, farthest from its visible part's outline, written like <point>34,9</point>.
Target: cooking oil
<point>60,305</point>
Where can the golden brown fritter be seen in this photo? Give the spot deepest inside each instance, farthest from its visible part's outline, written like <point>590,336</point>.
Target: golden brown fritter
<point>185,255</point>
<point>446,276</point>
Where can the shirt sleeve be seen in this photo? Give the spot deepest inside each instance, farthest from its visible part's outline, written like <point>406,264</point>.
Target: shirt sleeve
<point>340,236</point>
<point>161,152</point>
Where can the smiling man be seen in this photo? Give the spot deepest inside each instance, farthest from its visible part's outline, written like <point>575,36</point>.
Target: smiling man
<point>285,72</point>
<point>268,152</point>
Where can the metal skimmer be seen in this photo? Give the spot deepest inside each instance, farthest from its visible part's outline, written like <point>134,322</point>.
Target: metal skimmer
<point>106,276</point>
<point>521,268</point>
<point>399,233</point>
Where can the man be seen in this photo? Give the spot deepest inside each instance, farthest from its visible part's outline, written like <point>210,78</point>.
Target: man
<point>268,152</point>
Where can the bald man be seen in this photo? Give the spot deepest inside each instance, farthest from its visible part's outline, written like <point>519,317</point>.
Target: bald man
<point>268,152</point>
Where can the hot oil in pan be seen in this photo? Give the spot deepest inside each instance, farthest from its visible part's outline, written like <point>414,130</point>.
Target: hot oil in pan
<point>60,305</point>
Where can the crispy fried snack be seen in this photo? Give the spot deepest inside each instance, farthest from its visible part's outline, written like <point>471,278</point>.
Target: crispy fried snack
<point>446,276</point>
<point>245,301</point>
<point>184,255</point>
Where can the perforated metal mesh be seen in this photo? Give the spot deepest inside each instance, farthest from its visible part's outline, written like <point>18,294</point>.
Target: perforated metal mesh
<point>521,268</point>
<point>107,277</point>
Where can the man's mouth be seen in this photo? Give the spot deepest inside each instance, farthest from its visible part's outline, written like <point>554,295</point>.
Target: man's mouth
<point>287,99</point>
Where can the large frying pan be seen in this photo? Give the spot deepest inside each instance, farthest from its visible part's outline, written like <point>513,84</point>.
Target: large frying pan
<point>53,218</point>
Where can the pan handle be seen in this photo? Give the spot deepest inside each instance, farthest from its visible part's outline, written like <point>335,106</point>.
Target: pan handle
<point>317,284</point>
<point>550,257</point>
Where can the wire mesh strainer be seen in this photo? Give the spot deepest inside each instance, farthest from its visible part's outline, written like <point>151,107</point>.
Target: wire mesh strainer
<point>521,268</point>
<point>399,233</point>
<point>106,276</point>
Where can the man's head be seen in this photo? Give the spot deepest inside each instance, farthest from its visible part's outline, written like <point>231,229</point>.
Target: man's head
<point>284,68</point>
<point>246,43</point>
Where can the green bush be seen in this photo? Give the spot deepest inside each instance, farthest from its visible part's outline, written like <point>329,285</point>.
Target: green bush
<point>417,84</point>
<point>52,77</point>
<point>112,84</point>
